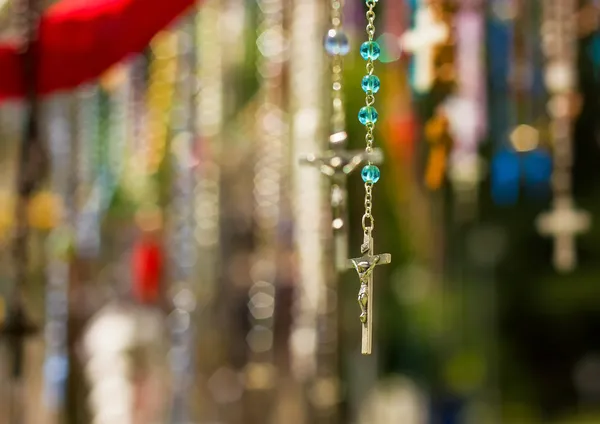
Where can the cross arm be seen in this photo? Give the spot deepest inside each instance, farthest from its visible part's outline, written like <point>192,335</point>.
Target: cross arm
<point>384,259</point>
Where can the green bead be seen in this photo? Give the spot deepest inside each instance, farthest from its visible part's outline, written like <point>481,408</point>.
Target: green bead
<point>370,50</point>
<point>370,84</point>
<point>370,174</point>
<point>367,115</point>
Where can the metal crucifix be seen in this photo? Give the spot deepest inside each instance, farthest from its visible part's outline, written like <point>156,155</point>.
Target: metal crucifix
<point>336,164</point>
<point>365,266</point>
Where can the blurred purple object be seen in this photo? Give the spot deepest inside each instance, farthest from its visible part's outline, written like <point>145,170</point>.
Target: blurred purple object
<point>467,109</point>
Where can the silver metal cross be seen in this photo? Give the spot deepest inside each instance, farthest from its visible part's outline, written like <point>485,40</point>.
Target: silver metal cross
<point>564,223</point>
<point>336,164</point>
<point>365,266</point>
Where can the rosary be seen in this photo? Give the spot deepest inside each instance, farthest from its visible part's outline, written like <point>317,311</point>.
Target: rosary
<point>564,222</point>
<point>367,116</point>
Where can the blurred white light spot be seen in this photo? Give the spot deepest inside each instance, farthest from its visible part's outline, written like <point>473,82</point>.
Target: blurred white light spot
<point>110,332</point>
<point>185,300</point>
<point>260,376</point>
<point>504,10</point>
<point>179,320</point>
<point>304,341</point>
<point>560,77</point>
<point>262,306</point>
<point>260,339</point>
<point>325,392</point>
<point>338,223</point>
<point>225,385</point>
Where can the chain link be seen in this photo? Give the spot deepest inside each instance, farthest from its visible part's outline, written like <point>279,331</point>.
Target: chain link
<point>371,20</point>
<point>368,222</point>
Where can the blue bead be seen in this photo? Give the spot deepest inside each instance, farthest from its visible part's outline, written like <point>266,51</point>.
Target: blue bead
<point>367,115</point>
<point>370,50</point>
<point>370,83</point>
<point>336,43</point>
<point>370,174</point>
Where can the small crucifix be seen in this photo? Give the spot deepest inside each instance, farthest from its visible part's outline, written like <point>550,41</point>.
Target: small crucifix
<point>336,164</point>
<point>423,40</point>
<point>365,266</point>
<point>564,223</point>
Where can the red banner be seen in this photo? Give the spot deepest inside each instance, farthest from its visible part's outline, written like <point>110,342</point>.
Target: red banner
<point>80,39</point>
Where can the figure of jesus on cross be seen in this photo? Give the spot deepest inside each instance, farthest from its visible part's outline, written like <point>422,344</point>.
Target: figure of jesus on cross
<point>365,266</point>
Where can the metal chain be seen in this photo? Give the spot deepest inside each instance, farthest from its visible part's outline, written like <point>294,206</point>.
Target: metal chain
<point>272,133</point>
<point>62,181</point>
<point>182,220</point>
<point>368,222</point>
<point>161,88</point>
<point>338,116</point>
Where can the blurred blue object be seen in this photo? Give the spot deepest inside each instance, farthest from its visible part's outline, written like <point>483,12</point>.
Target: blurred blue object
<point>537,171</point>
<point>505,177</point>
<point>56,370</point>
<point>510,168</point>
<point>594,53</point>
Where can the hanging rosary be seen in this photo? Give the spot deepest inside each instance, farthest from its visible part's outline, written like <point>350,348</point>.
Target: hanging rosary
<point>63,179</point>
<point>367,116</point>
<point>337,163</point>
<point>564,222</point>
<point>182,222</point>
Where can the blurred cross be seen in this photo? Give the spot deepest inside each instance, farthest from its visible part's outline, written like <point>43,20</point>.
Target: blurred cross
<point>564,223</point>
<point>336,164</point>
<point>427,34</point>
<point>364,266</point>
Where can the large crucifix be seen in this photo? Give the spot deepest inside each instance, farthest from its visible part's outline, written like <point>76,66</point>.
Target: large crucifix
<point>427,34</point>
<point>364,266</point>
<point>336,164</point>
<point>564,223</point>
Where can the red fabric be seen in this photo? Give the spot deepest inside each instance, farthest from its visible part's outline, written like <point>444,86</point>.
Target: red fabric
<point>79,39</point>
<point>402,130</point>
<point>147,270</point>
